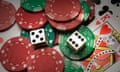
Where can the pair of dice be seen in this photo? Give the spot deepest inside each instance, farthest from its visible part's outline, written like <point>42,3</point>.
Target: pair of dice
<point>75,40</point>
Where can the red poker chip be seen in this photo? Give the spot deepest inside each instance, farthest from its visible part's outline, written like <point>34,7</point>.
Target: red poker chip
<point>7,15</point>
<point>69,25</point>
<point>45,60</point>
<point>92,10</point>
<point>14,53</point>
<point>57,36</point>
<point>19,71</point>
<point>62,10</point>
<point>29,20</point>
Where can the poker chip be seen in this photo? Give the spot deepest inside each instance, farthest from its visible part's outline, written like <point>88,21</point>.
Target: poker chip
<point>86,10</point>
<point>69,25</point>
<point>62,10</point>
<point>14,53</point>
<point>84,52</point>
<point>71,67</point>
<point>45,60</point>
<point>28,20</point>
<point>7,14</point>
<point>50,33</point>
<point>33,6</point>
<point>92,10</point>
<point>19,71</point>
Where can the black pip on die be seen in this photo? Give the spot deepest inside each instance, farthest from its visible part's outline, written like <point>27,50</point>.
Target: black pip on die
<point>76,41</point>
<point>38,37</point>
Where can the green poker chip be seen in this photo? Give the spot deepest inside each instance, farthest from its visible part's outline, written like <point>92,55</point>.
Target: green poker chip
<point>33,5</point>
<point>71,67</point>
<point>86,9</point>
<point>24,33</point>
<point>50,33</point>
<point>85,51</point>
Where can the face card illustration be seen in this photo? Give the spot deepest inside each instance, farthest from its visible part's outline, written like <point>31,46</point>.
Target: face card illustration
<point>105,31</point>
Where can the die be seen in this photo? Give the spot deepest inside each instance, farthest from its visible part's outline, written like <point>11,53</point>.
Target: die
<point>76,41</point>
<point>38,36</point>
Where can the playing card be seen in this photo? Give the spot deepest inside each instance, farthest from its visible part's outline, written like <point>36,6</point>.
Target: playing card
<point>115,8</point>
<point>98,22</point>
<point>100,60</point>
<point>115,24</point>
<point>111,6</point>
<point>104,29</point>
<point>101,7</point>
<point>114,68</point>
<point>111,42</point>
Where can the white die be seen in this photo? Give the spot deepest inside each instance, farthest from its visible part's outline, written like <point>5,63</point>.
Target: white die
<point>76,40</point>
<point>38,36</point>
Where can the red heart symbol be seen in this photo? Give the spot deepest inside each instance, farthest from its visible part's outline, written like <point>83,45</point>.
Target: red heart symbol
<point>105,29</point>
